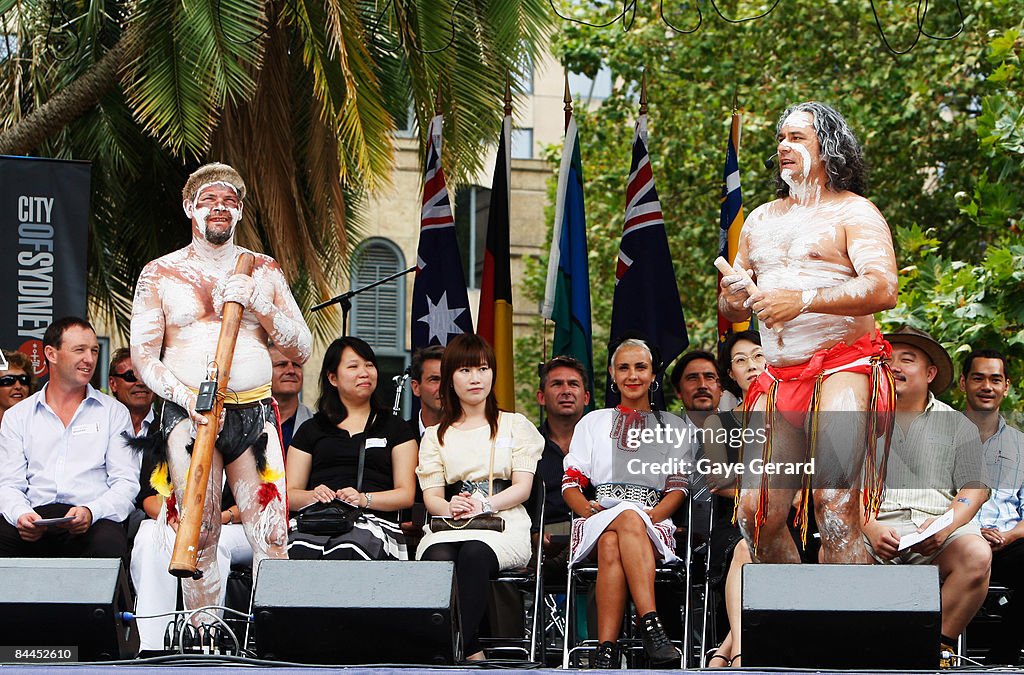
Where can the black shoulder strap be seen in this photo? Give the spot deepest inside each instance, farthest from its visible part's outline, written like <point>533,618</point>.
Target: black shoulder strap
<point>362,451</point>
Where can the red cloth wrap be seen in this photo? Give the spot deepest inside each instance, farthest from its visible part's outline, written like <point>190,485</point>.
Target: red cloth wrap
<point>796,383</point>
<point>794,391</point>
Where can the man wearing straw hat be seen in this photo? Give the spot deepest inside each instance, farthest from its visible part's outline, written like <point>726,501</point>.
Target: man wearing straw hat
<point>935,469</point>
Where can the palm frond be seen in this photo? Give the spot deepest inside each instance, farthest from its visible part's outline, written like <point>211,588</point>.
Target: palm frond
<point>297,208</point>
<point>344,81</point>
<point>491,38</point>
<point>188,69</point>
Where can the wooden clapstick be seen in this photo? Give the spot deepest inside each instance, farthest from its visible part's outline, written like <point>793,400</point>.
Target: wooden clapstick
<point>727,270</point>
<point>186,541</point>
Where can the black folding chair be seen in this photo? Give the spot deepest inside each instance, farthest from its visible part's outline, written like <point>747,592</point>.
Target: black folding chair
<point>529,581</point>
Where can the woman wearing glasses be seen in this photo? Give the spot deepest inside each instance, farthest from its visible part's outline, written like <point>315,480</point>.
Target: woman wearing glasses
<point>741,361</point>
<point>15,382</point>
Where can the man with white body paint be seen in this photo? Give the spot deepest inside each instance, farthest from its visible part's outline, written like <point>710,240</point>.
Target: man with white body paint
<point>176,319</point>
<point>822,258</point>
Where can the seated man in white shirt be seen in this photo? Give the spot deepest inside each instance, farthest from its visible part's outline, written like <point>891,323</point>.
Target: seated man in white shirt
<point>62,455</point>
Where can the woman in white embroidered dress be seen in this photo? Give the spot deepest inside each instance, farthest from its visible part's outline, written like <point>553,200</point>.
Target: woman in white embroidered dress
<point>628,526</point>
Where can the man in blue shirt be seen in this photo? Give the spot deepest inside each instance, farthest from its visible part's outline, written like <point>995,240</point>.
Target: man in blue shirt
<point>63,456</point>
<point>1001,518</point>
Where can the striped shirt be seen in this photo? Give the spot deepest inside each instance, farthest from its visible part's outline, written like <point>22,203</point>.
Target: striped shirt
<point>939,454</point>
<point>1004,462</point>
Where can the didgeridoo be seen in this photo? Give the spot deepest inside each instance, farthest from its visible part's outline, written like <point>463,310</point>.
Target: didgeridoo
<point>186,541</point>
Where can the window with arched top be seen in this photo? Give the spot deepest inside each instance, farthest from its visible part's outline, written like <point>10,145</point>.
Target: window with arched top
<point>378,315</point>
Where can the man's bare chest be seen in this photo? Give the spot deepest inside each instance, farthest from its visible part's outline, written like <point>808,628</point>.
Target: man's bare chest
<point>797,241</point>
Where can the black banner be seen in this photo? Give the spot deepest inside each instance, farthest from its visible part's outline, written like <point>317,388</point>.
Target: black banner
<point>44,218</point>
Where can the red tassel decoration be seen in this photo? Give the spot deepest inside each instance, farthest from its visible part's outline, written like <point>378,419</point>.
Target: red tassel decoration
<point>172,507</point>
<point>268,492</point>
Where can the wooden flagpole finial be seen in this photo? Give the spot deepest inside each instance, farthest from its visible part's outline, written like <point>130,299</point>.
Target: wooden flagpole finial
<point>437,99</point>
<point>567,99</point>
<point>643,93</point>
<point>508,93</point>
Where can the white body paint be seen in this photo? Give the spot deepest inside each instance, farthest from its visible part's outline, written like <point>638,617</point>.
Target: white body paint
<point>176,320</point>
<point>800,246</point>
<point>177,316</point>
<point>801,190</point>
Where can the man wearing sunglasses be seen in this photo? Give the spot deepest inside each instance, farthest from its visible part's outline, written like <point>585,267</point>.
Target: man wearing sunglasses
<point>68,479</point>
<point>130,390</point>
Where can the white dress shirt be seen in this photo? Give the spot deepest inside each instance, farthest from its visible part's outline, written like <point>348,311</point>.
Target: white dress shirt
<point>88,463</point>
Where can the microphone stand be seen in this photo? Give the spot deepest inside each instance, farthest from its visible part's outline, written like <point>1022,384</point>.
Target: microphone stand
<point>345,299</point>
<point>400,381</point>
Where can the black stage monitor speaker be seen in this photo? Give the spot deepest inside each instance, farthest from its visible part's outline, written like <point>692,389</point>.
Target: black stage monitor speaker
<point>841,616</point>
<point>67,602</point>
<point>356,612</point>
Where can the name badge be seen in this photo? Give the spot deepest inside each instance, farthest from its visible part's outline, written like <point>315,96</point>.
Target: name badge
<point>376,443</point>
<point>81,429</point>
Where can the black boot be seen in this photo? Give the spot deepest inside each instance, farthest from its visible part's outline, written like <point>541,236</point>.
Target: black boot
<point>657,646</point>
<point>606,657</point>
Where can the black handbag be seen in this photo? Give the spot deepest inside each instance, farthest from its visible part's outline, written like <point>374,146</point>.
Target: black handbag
<point>335,517</point>
<point>328,519</point>
<point>491,522</point>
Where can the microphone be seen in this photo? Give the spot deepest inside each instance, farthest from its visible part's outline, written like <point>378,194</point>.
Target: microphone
<point>770,162</point>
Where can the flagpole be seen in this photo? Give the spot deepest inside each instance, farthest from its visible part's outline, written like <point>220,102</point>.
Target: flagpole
<point>567,99</point>
<point>643,92</point>
<point>508,93</point>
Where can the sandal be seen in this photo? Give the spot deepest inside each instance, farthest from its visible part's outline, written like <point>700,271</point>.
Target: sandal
<point>733,660</point>
<point>728,661</point>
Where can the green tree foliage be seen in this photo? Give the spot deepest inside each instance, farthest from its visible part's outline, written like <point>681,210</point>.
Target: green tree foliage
<point>971,301</point>
<point>920,118</point>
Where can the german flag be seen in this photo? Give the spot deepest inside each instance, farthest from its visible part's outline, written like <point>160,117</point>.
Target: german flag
<point>494,321</point>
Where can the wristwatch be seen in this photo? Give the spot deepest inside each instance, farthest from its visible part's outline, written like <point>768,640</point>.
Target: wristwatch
<point>486,508</point>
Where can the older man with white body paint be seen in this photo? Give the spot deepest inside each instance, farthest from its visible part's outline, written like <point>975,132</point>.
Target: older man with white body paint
<point>176,319</point>
<point>822,259</point>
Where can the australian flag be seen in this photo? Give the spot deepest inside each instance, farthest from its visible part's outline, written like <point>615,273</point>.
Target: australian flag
<point>440,305</point>
<point>646,296</point>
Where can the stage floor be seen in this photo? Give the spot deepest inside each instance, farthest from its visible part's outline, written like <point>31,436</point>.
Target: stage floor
<point>184,665</point>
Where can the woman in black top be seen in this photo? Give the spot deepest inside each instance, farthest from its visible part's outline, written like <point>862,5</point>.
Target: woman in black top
<point>323,461</point>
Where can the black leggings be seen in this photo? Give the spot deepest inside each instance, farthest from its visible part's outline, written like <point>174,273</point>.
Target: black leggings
<point>475,566</point>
